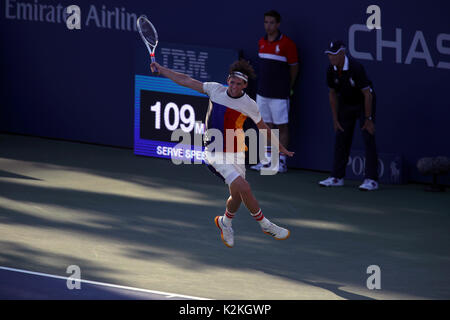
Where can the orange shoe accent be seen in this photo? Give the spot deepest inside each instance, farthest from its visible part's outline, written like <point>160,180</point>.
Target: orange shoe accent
<point>216,220</point>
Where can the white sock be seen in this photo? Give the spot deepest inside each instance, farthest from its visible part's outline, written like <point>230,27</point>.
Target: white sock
<point>259,217</point>
<point>227,218</point>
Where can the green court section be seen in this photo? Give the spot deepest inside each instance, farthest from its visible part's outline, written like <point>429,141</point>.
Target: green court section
<point>147,223</point>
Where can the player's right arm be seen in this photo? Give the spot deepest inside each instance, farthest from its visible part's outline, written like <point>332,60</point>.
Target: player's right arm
<point>179,78</point>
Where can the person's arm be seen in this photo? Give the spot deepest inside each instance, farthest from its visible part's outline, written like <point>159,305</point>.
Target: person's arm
<point>367,102</point>
<point>368,124</point>
<point>271,137</point>
<point>179,78</point>
<point>363,83</point>
<point>334,109</point>
<point>293,61</point>
<point>293,70</point>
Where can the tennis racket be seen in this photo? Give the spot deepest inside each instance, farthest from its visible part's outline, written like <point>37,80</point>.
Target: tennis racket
<point>148,34</point>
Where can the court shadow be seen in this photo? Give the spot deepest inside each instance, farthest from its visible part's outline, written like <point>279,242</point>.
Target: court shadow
<point>336,289</point>
<point>6,174</point>
<point>166,224</point>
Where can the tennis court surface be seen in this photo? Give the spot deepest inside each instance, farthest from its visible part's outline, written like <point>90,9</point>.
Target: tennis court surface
<point>143,228</point>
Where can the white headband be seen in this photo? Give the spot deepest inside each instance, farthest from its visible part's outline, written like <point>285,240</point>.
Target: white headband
<point>334,53</point>
<point>239,75</point>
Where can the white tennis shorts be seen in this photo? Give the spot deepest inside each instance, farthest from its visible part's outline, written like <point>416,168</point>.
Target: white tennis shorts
<point>274,111</point>
<point>227,165</point>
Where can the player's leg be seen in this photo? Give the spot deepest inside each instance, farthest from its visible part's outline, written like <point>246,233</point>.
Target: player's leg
<point>233,203</point>
<point>224,223</point>
<point>241,186</point>
<point>229,171</point>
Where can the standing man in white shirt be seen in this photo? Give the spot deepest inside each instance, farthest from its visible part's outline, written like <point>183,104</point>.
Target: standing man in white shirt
<point>278,64</point>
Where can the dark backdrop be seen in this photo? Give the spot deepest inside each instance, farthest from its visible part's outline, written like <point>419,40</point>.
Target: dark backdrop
<point>78,84</point>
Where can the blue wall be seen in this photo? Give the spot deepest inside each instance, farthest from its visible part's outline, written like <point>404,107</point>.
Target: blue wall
<point>79,84</point>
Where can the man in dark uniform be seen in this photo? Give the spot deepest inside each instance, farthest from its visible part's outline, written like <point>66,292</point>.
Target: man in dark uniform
<point>352,98</point>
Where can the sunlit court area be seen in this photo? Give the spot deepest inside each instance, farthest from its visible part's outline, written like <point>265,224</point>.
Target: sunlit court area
<point>110,114</point>
<point>147,223</point>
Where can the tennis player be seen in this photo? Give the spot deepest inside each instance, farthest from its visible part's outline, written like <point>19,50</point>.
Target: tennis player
<point>228,109</point>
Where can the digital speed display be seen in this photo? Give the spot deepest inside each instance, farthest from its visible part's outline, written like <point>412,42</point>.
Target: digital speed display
<point>161,107</point>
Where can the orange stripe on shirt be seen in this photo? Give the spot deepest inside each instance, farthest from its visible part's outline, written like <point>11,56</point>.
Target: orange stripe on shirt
<point>235,120</point>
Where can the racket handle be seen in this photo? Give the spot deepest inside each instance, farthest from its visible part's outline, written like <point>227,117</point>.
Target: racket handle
<point>152,57</point>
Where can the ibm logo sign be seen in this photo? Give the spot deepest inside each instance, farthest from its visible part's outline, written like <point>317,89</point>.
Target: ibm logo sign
<point>189,62</point>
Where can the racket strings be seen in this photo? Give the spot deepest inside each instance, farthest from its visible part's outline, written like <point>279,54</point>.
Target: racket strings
<point>151,39</point>
<point>148,32</point>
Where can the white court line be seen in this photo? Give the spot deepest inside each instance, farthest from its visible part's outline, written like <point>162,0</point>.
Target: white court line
<point>167,294</point>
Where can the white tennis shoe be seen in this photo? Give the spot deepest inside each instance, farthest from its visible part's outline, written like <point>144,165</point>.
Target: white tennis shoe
<point>281,168</point>
<point>275,231</point>
<point>226,233</point>
<point>258,166</point>
<point>332,182</point>
<point>368,185</point>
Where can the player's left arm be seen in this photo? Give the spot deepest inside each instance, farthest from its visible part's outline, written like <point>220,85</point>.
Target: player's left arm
<point>262,126</point>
